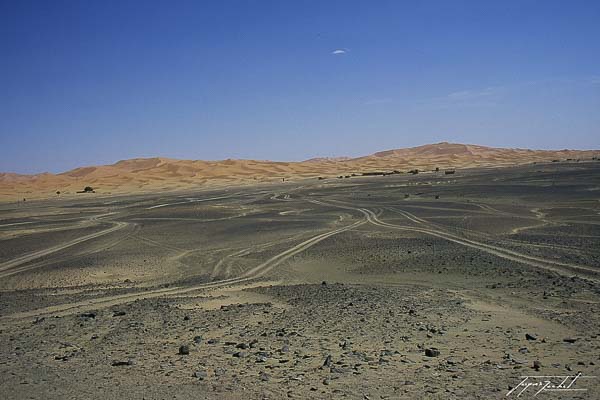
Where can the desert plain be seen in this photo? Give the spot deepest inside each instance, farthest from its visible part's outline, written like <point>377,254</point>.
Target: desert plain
<point>404,286</point>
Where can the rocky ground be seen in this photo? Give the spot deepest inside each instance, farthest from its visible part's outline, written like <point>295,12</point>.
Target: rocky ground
<point>424,286</point>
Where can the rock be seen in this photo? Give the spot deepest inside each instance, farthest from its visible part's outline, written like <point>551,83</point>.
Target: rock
<point>201,375</point>
<point>186,318</point>
<point>119,313</point>
<point>240,354</point>
<point>570,339</point>
<point>242,346</point>
<point>212,341</point>
<point>328,361</point>
<point>184,350</point>
<point>118,363</point>
<point>264,376</point>
<point>198,339</point>
<point>537,365</point>
<point>88,315</point>
<point>432,352</point>
<point>529,336</point>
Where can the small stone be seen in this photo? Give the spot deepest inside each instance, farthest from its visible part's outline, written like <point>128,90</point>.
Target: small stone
<point>264,376</point>
<point>529,336</point>
<point>570,339</point>
<point>197,339</point>
<point>119,313</point>
<point>537,365</point>
<point>432,352</point>
<point>240,354</point>
<point>118,363</point>
<point>242,346</point>
<point>201,375</point>
<point>186,318</point>
<point>328,361</point>
<point>89,315</point>
<point>184,350</point>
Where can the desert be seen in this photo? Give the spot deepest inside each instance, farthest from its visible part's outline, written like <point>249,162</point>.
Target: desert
<point>426,285</point>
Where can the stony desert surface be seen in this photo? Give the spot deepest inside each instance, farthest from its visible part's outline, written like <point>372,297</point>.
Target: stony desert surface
<point>424,286</point>
<point>159,174</point>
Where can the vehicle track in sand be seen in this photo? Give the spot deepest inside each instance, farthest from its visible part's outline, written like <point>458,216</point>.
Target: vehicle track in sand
<point>8,267</point>
<point>253,273</point>
<point>561,268</point>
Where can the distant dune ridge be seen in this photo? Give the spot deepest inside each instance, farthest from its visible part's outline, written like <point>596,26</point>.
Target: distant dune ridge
<point>158,174</point>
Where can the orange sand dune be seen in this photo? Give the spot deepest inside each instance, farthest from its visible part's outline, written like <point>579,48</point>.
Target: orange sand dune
<point>153,174</point>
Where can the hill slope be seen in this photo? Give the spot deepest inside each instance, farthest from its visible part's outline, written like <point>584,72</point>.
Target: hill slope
<point>158,174</point>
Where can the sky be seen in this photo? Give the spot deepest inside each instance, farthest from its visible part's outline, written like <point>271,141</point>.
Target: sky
<point>94,82</point>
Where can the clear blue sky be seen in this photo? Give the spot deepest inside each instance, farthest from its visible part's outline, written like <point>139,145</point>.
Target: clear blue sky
<point>92,82</point>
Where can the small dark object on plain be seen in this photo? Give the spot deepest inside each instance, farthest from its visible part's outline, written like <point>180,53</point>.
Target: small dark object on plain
<point>432,352</point>
<point>118,363</point>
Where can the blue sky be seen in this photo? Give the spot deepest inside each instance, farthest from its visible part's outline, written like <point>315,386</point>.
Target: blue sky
<point>92,82</point>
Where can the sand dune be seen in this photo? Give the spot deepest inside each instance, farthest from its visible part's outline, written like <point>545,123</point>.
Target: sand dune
<point>158,173</point>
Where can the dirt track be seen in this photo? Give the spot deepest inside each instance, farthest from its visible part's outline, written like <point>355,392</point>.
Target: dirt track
<point>468,265</point>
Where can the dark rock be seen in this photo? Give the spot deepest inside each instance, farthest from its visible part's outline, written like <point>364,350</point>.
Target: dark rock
<point>89,315</point>
<point>118,363</point>
<point>432,352</point>
<point>242,346</point>
<point>529,336</point>
<point>184,350</point>
<point>198,339</point>
<point>537,365</point>
<point>119,313</point>
<point>328,361</point>
<point>240,354</point>
<point>570,339</point>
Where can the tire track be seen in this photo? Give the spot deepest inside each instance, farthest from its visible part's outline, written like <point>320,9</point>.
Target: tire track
<point>256,272</point>
<point>5,267</point>
<point>543,263</point>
